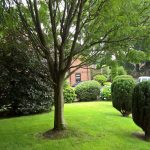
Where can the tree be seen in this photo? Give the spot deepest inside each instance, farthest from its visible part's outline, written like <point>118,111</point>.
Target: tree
<point>62,31</point>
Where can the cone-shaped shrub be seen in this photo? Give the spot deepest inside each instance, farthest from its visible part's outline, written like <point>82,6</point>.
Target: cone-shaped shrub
<point>141,107</point>
<point>121,91</point>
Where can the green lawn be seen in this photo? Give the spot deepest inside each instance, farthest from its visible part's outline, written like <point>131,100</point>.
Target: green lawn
<point>92,125</point>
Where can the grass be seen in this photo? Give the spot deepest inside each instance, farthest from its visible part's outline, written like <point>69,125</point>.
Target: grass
<point>91,126</point>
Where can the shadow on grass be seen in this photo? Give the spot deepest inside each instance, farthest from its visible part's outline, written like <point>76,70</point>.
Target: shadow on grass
<point>139,135</point>
<point>64,134</point>
<point>12,116</point>
<point>113,114</point>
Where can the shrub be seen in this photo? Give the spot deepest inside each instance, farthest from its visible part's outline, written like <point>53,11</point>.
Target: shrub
<point>66,84</point>
<point>121,91</point>
<point>141,107</point>
<point>100,78</point>
<point>107,83</point>
<point>88,90</point>
<point>106,93</point>
<point>123,77</point>
<point>121,70</point>
<point>69,94</point>
<point>24,83</point>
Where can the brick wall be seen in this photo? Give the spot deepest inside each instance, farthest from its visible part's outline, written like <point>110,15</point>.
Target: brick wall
<point>84,71</point>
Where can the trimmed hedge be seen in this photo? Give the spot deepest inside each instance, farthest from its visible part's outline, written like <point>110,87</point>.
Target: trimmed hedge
<point>141,107</point>
<point>88,90</point>
<point>121,91</point>
<point>100,78</point>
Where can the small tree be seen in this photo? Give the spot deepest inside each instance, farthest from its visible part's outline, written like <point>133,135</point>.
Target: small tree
<point>141,107</point>
<point>121,91</point>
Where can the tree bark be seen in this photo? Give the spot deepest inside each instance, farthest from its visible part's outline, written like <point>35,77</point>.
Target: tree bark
<point>147,136</point>
<point>59,123</point>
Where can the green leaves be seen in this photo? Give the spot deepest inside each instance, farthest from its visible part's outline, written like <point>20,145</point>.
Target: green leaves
<point>136,56</point>
<point>121,91</point>
<point>69,94</point>
<point>141,106</point>
<point>88,90</point>
<point>100,78</point>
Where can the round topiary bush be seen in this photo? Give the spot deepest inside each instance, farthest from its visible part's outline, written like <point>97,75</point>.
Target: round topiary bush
<point>105,93</point>
<point>123,77</point>
<point>88,90</point>
<point>121,91</point>
<point>141,107</point>
<point>100,78</point>
<point>69,94</point>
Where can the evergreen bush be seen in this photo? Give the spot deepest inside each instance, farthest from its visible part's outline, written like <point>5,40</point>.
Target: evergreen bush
<point>141,107</point>
<point>24,83</point>
<point>121,91</point>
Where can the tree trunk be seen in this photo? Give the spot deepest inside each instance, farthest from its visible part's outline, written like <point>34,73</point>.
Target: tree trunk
<point>147,135</point>
<point>59,123</point>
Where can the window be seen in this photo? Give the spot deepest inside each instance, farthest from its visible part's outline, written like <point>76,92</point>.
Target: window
<point>78,77</point>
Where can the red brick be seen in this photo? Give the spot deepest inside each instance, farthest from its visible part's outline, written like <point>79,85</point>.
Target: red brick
<point>84,71</point>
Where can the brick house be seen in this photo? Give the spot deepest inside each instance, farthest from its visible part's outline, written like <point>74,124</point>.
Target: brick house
<point>81,74</point>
